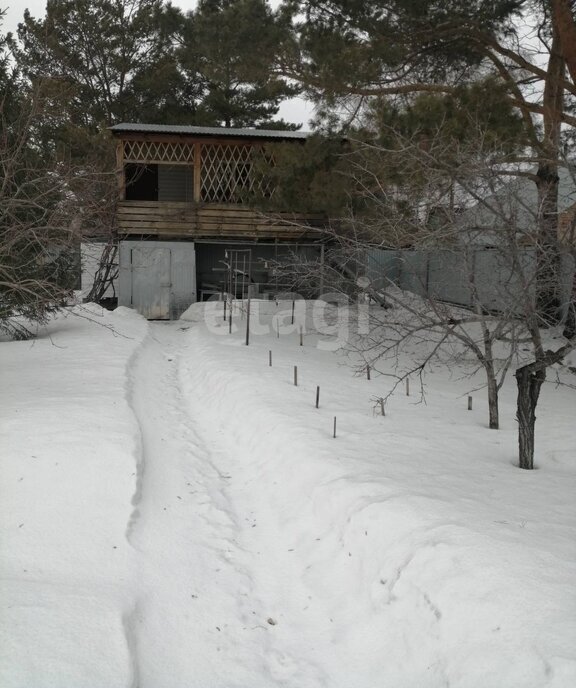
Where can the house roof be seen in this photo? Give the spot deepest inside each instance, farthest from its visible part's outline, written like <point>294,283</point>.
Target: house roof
<point>185,130</point>
<point>519,200</point>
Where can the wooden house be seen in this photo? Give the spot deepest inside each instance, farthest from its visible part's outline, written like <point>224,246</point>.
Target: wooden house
<point>185,204</point>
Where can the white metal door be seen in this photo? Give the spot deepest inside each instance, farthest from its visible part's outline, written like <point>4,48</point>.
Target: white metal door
<point>151,281</point>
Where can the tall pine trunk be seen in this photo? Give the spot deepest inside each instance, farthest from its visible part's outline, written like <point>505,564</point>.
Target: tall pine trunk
<point>570,322</point>
<point>548,246</point>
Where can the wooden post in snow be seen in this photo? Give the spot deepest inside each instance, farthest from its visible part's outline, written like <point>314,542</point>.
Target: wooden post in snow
<point>317,396</point>
<point>295,376</point>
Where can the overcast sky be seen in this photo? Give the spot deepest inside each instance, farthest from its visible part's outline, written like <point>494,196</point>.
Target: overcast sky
<point>294,110</point>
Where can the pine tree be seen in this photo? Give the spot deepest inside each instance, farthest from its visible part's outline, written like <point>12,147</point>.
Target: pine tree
<point>111,61</point>
<point>346,50</point>
<point>231,46</point>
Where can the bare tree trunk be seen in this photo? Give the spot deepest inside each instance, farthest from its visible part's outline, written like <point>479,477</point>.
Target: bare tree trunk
<point>529,381</point>
<point>493,411</point>
<point>488,362</point>
<point>570,322</point>
<point>106,274</point>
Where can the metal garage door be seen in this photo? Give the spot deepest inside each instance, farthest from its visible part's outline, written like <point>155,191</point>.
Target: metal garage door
<point>157,278</point>
<point>151,281</point>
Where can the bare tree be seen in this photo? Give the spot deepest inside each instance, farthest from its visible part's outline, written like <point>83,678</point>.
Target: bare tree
<point>451,202</point>
<point>430,329</point>
<point>45,204</point>
<point>98,204</point>
<point>103,285</point>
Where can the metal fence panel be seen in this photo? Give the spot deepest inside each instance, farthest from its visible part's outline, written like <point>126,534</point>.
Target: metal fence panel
<point>382,266</point>
<point>448,275</point>
<point>413,271</point>
<point>500,286</point>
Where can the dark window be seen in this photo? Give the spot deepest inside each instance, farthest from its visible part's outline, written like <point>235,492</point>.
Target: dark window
<point>159,182</point>
<point>141,182</point>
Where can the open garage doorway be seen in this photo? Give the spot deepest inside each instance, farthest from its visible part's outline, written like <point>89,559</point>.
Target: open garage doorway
<point>254,267</point>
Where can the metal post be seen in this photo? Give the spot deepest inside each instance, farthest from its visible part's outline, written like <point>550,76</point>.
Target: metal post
<point>248,320</point>
<point>235,274</point>
<point>244,283</point>
<point>321,270</point>
<point>276,266</point>
<point>230,295</point>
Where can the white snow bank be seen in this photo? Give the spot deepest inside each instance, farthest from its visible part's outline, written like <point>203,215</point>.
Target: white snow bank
<point>67,476</point>
<point>175,512</point>
<point>409,551</point>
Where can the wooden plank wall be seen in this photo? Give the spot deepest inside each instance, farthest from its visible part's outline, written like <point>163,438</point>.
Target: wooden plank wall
<point>191,220</point>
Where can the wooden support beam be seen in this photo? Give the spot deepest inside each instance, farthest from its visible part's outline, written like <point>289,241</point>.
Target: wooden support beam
<point>197,172</point>
<point>121,178</point>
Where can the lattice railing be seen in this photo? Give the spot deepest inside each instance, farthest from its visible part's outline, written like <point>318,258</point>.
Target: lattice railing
<point>228,174</point>
<point>158,152</point>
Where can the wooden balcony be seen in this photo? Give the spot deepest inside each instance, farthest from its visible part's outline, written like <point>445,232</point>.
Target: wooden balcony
<point>179,220</point>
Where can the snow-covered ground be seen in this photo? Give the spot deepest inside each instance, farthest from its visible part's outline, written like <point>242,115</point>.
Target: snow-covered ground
<point>176,513</point>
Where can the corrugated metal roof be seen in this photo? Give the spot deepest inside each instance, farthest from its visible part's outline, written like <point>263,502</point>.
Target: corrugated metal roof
<point>519,199</point>
<point>186,130</point>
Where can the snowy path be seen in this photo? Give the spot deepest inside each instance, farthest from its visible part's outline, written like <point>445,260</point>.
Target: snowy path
<point>175,513</point>
<point>183,531</point>
<point>191,581</point>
